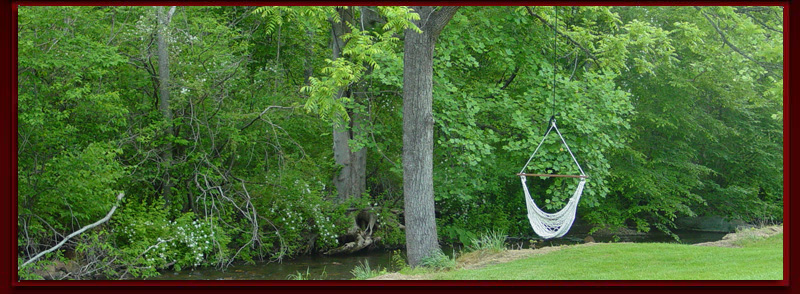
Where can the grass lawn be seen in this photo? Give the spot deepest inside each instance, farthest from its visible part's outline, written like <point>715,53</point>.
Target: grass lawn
<point>756,260</point>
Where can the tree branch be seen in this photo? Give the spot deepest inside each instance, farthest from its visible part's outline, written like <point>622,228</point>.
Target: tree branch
<point>510,79</point>
<point>441,17</point>
<point>763,24</point>
<point>725,40</point>
<point>78,232</point>
<point>169,15</point>
<point>262,114</point>
<point>588,53</point>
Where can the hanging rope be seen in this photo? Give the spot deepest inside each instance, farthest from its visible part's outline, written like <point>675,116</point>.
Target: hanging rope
<point>555,64</point>
<point>552,225</point>
<point>553,127</point>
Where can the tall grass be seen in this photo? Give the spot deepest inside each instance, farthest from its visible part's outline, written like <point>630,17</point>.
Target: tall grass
<point>300,275</point>
<point>494,241</point>
<point>307,275</point>
<point>363,271</point>
<point>438,261</point>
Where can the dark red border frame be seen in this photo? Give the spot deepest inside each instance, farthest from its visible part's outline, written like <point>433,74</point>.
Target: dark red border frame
<point>10,180</point>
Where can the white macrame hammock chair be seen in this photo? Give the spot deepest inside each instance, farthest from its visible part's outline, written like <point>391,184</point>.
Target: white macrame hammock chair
<point>552,225</point>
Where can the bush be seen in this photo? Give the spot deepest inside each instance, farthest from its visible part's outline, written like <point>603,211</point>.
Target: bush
<point>75,187</point>
<point>398,261</point>
<point>297,210</point>
<point>438,261</point>
<point>147,238</point>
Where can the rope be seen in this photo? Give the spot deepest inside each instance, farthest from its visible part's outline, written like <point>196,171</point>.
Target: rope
<point>568,150</point>
<point>555,52</point>
<point>552,225</point>
<point>537,149</point>
<point>552,127</point>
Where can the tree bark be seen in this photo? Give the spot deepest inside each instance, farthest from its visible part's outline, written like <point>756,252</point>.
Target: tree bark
<point>421,237</point>
<point>350,182</point>
<point>163,89</point>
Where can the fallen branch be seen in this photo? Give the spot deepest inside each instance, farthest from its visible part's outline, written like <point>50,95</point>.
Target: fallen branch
<point>78,232</point>
<point>362,241</point>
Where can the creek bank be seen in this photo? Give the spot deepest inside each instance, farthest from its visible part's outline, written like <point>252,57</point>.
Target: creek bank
<point>474,260</point>
<point>711,224</point>
<point>733,239</point>
<point>59,270</point>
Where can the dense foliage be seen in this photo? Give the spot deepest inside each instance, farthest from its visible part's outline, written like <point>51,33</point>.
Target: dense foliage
<point>672,111</point>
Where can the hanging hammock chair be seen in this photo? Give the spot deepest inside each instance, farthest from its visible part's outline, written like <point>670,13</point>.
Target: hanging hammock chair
<point>552,225</point>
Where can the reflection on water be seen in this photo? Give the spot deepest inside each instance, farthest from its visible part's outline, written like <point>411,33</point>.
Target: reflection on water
<point>339,267</point>
<point>317,266</point>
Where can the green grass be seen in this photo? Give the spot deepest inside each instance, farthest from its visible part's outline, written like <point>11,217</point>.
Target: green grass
<point>412,271</point>
<point>757,260</point>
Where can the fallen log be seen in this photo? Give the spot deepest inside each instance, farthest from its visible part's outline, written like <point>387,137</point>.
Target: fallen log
<point>78,232</point>
<point>362,241</point>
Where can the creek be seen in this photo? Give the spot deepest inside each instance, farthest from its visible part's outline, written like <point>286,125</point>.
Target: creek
<point>340,267</point>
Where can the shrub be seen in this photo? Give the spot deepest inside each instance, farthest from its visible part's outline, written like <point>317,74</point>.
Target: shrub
<point>398,261</point>
<point>148,240</point>
<point>438,261</point>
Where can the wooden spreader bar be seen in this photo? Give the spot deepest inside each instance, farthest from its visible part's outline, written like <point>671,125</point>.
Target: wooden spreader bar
<point>551,175</point>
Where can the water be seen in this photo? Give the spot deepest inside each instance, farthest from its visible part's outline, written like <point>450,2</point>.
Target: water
<point>316,266</point>
<point>340,267</point>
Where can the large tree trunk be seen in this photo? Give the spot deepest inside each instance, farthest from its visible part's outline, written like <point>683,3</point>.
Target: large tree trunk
<point>351,180</point>
<point>163,89</point>
<point>421,237</point>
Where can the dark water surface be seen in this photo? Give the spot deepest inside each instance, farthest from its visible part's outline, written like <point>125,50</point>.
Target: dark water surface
<point>340,267</point>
